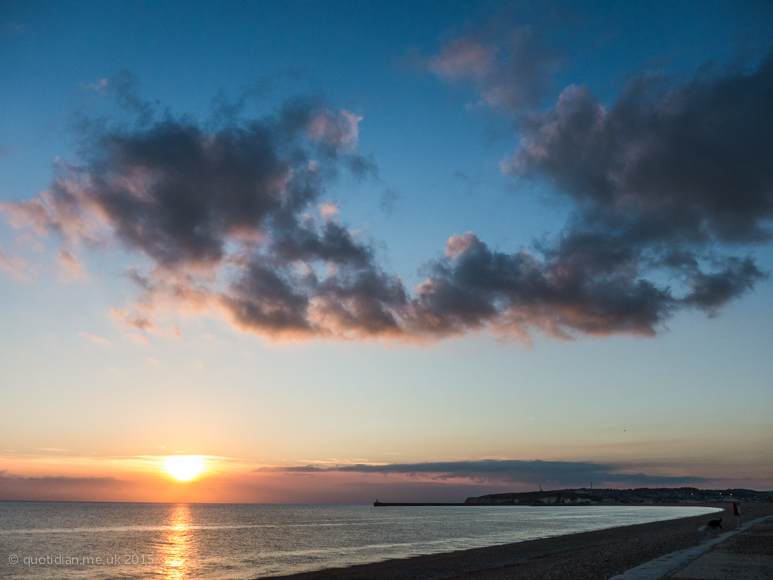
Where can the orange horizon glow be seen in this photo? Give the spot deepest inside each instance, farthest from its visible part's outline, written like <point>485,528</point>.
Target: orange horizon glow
<point>220,479</point>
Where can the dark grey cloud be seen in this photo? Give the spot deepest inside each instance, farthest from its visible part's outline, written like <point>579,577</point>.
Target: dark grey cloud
<point>585,289</point>
<point>554,473</point>
<point>668,183</point>
<point>233,216</point>
<point>689,163</point>
<point>669,178</point>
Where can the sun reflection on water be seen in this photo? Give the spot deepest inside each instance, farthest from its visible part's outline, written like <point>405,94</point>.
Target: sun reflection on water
<point>177,545</point>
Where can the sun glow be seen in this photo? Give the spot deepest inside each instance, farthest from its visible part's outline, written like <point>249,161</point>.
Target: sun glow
<point>184,467</point>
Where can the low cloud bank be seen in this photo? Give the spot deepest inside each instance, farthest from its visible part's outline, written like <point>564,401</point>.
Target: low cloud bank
<point>552,473</point>
<point>58,488</point>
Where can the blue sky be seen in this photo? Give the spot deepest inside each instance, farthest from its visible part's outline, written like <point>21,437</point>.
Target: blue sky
<point>435,329</point>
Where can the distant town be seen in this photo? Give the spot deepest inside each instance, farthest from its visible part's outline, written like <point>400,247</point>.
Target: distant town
<point>642,495</point>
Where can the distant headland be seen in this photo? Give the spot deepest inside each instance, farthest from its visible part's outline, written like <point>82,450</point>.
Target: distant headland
<point>585,496</point>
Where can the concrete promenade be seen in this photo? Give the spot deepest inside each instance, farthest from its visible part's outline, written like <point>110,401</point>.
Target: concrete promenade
<point>745,553</point>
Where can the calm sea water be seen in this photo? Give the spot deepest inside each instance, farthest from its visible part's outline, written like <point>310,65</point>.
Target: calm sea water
<point>226,541</point>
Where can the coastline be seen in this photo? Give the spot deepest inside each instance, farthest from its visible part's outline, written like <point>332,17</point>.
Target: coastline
<point>595,555</point>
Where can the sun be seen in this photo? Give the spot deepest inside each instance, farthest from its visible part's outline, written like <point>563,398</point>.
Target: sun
<point>184,467</point>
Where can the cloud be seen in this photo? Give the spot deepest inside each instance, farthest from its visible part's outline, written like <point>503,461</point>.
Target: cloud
<point>328,211</point>
<point>552,473</point>
<point>221,214</point>
<point>665,180</point>
<point>510,68</point>
<point>31,213</point>
<point>463,59</point>
<point>666,183</point>
<point>388,201</point>
<point>135,322</point>
<point>123,90</point>
<point>475,286</point>
<point>337,130</point>
<point>13,264</point>
<point>143,322</point>
<point>100,85</point>
<point>94,338</point>
<point>589,283</point>
<point>61,480</point>
<point>688,162</point>
<point>180,194</point>
<point>70,268</point>
<point>235,221</point>
<point>56,488</point>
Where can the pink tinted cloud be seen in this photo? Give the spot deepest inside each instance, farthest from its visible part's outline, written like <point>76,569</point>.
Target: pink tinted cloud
<point>70,268</point>
<point>458,245</point>
<point>94,338</point>
<point>13,264</point>
<point>144,322</point>
<point>463,59</point>
<point>69,211</point>
<point>340,130</point>
<point>133,321</point>
<point>33,213</point>
<point>509,67</point>
<point>328,211</point>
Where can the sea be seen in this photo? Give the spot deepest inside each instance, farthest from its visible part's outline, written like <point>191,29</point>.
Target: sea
<point>133,541</point>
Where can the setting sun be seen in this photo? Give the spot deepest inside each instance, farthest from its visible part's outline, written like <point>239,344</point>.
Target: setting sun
<point>184,467</point>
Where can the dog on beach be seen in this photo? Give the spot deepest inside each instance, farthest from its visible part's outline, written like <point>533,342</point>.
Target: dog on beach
<point>714,524</point>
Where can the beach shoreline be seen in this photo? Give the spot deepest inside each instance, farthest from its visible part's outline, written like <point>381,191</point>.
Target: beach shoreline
<point>595,555</point>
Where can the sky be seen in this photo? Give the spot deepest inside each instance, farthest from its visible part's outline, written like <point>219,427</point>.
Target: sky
<point>407,251</point>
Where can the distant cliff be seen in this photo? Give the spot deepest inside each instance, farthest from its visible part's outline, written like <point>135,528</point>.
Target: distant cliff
<point>640,495</point>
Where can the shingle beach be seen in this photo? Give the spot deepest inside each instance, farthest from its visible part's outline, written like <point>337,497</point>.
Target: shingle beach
<point>597,555</point>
